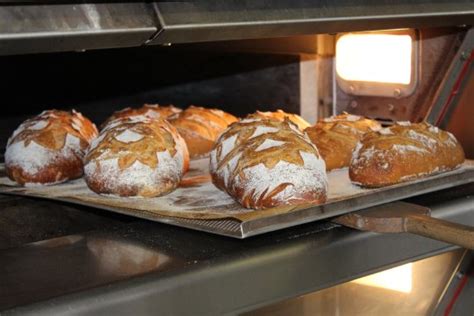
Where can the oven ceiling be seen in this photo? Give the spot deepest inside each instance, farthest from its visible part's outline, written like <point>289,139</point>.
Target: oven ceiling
<point>44,26</point>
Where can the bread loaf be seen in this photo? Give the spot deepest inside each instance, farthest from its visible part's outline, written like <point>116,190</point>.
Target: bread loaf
<point>404,152</point>
<point>200,128</point>
<point>266,163</point>
<point>136,156</point>
<point>337,136</point>
<point>279,115</point>
<point>147,110</point>
<point>49,148</point>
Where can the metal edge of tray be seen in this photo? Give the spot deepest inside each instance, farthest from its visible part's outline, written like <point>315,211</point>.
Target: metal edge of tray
<point>280,221</point>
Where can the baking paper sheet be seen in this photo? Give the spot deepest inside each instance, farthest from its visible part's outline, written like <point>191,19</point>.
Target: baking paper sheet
<point>197,197</point>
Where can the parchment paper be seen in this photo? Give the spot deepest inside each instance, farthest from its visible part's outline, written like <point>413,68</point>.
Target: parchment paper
<point>196,198</point>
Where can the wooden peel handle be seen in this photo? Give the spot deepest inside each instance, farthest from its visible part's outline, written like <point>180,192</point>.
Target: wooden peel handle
<point>456,234</point>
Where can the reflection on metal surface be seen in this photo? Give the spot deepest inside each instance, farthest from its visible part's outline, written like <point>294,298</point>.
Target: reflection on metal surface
<point>24,221</point>
<point>398,279</point>
<point>67,27</point>
<point>353,298</point>
<point>58,242</point>
<point>64,265</point>
<point>115,257</point>
<point>256,271</point>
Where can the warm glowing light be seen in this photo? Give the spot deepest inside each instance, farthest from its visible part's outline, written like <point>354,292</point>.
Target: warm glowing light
<point>397,279</point>
<point>374,58</point>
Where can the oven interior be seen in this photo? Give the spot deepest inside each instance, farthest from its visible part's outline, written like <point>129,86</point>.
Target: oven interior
<point>297,74</point>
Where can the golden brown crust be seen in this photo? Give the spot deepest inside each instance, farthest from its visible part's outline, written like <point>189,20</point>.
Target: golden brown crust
<point>136,157</point>
<point>147,110</point>
<point>49,148</point>
<point>337,136</point>
<point>200,128</point>
<point>403,152</point>
<point>280,115</point>
<point>265,163</point>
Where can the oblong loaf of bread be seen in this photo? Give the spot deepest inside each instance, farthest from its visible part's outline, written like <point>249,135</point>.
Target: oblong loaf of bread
<point>49,148</point>
<point>337,136</point>
<point>200,128</point>
<point>268,163</point>
<point>404,152</point>
<point>136,157</point>
<point>280,115</point>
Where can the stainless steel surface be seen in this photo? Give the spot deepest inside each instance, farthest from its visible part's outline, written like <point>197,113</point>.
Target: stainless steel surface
<point>202,273</point>
<point>454,81</point>
<point>194,21</point>
<point>51,26</point>
<point>68,27</point>
<point>462,281</point>
<point>25,220</point>
<point>409,289</point>
<point>460,121</point>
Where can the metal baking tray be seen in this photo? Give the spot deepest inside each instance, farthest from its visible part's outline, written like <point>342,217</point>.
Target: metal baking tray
<point>241,223</point>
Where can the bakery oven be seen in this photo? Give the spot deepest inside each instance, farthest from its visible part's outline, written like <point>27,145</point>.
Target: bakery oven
<point>390,61</point>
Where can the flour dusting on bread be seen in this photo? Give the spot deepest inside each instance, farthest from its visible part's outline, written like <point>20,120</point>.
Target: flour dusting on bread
<point>265,163</point>
<point>403,152</point>
<point>136,156</point>
<point>49,148</point>
<point>128,136</point>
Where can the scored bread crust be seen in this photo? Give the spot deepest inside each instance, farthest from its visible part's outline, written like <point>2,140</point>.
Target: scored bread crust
<point>268,163</point>
<point>49,148</point>
<point>147,110</point>
<point>136,156</point>
<point>337,136</point>
<point>200,127</point>
<point>280,115</point>
<point>404,152</point>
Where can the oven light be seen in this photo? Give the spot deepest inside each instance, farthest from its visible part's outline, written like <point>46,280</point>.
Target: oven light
<point>397,279</point>
<point>374,58</point>
<point>378,63</point>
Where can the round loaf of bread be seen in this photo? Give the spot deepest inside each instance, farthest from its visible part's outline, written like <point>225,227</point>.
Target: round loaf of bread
<point>200,128</point>
<point>49,148</point>
<point>267,163</point>
<point>403,152</point>
<point>136,156</point>
<point>280,115</point>
<point>147,110</point>
<point>337,136</point>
